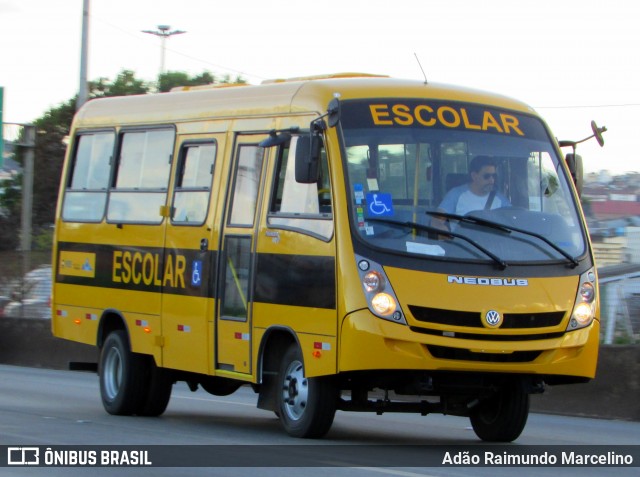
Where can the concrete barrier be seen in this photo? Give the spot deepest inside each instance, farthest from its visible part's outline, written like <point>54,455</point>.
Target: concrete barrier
<point>29,342</point>
<point>614,394</point>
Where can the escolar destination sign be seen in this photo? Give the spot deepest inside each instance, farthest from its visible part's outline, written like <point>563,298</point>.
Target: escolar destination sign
<point>424,113</point>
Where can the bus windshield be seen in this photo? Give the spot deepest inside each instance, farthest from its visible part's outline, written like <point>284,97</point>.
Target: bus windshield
<point>458,181</point>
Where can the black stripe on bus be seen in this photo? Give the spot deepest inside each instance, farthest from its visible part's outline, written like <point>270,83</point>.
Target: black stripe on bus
<point>149,269</point>
<point>296,280</point>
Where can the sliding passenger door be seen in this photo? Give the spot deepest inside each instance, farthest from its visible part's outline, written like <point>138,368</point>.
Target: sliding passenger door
<point>237,257</point>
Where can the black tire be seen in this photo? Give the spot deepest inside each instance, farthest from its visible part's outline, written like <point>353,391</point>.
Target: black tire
<point>502,417</point>
<point>123,376</point>
<point>158,392</point>
<point>306,406</point>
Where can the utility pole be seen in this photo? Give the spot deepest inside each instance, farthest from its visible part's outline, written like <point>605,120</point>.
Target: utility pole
<point>83,94</point>
<point>164,32</point>
<point>29,142</point>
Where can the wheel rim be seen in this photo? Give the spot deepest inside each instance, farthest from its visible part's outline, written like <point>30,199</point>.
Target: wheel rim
<point>295,391</point>
<point>112,373</point>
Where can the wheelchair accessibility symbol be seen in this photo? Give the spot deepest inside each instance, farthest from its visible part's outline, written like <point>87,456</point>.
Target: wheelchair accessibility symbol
<point>196,273</point>
<point>379,204</point>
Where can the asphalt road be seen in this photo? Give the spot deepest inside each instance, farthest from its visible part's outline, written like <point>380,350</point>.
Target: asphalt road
<point>56,408</point>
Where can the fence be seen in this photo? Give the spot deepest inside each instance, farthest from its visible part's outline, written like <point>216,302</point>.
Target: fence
<point>620,308</point>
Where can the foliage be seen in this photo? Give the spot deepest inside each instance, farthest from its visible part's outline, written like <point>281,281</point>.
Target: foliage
<point>10,212</point>
<point>10,196</point>
<point>52,130</point>
<point>43,239</point>
<point>125,84</point>
<point>172,79</point>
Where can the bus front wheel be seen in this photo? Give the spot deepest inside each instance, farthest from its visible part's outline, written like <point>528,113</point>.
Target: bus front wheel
<point>502,417</point>
<point>306,406</point>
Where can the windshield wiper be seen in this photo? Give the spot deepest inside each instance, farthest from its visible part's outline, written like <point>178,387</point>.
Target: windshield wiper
<point>470,220</point>
<point>505,228</point>
<point>427,228</point>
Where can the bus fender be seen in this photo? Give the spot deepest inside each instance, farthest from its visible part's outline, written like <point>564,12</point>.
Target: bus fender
<point>274,343</point>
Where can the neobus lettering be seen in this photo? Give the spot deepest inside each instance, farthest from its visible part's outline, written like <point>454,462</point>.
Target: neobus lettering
<point>146,268</point>
<point>496,282</point>
<point>447,116</point>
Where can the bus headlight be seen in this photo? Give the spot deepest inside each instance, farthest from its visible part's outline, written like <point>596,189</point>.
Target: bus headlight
<point>384,304</point>
<point>587,292</point>
<point>373,282</point>
<point>381,299</point>
<point>584,309</point>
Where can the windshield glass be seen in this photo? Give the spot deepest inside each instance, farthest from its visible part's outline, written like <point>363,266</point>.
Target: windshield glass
<point>416,167</point>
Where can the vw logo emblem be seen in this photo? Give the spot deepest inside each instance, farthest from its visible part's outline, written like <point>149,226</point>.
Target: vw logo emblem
<point>493,319</point>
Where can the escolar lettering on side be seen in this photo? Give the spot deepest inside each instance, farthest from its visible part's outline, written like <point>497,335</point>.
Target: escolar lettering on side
<point>447,116</point>
<point>147,268</point>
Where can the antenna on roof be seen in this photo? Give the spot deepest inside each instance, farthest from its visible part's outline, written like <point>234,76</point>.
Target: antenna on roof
<point>421,69</point>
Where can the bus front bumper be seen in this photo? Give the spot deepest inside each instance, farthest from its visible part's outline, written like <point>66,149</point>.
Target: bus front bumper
<point>371,343</point>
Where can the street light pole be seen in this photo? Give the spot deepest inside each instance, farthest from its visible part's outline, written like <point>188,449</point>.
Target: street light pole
<point>83,92</point>
<point>164,32</point>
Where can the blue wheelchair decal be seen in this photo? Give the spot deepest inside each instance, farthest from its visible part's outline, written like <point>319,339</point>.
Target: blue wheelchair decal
<point>196,273</point>
<point>379,204</point>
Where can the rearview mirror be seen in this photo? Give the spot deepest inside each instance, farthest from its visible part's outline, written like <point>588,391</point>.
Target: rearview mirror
<point>597,132</point>
<point>307,158</point>
<point>333,112</point>
<point>574,163</point>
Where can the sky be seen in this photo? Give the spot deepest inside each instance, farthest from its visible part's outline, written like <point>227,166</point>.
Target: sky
<point>574,61</point>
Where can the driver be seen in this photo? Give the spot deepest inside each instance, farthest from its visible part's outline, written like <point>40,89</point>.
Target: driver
<point>479,193</point>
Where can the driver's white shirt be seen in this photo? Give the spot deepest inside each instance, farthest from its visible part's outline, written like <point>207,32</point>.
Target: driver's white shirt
<point>469,201</point>
<point>460,200</point>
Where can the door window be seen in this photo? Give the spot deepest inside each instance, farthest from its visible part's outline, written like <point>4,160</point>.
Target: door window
<point>246,184</point>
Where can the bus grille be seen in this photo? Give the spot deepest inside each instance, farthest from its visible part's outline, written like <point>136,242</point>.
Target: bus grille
<point>494,336</point>
<point>444,352</point>
<point>474,319</point>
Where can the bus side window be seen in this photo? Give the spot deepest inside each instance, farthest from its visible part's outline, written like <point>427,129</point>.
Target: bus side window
<point>193,184</point>
<point>86,193</point>
<point>304,207</point>
<point>142,176</point>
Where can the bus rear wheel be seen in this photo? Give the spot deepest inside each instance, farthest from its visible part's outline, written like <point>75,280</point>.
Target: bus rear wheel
<point>122,376</point>
<point>158,392</point>
<point>130,383</point>
<point>306,406</point>
<point>502,417</point>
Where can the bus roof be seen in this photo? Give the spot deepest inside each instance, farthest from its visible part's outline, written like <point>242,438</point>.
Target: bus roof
<point>308,95</point>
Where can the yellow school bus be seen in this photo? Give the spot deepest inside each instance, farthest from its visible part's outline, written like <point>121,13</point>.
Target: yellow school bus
<point>346,242</point>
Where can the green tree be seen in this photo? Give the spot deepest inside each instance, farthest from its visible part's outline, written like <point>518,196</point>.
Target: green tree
<point>172,79</point>
<point>52,130</point>
<point>125,84</point>
<point>10,196</point>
